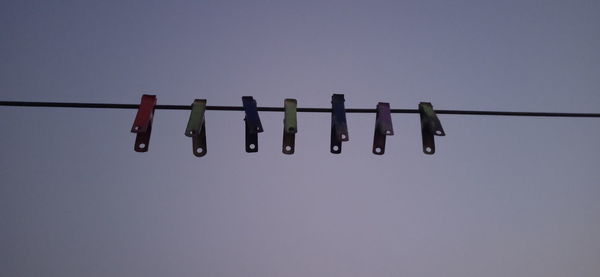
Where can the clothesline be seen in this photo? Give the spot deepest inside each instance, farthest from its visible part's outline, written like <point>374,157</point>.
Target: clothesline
<point>281,109</point>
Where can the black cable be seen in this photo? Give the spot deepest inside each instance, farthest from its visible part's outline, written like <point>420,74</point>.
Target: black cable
<point>281,109</point>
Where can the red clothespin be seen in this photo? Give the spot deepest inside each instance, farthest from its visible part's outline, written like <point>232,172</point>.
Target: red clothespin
<point>142,125</point>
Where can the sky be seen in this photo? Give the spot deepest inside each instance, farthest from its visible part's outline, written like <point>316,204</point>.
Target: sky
<point>502,196</point>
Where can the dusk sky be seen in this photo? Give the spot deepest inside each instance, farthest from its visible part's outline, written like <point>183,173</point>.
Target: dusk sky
<point>502,196</point>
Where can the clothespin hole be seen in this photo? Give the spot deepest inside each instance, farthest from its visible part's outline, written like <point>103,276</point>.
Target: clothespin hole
<point>343,136</point>
<point>191,132</point>
<point>438,132</point>
<point>388,132</point>
<point>252,146</point>
<point>288,148</point>
<point>428,149</point>
<point>142,145</point>
<point>335,148</point>
<point>199,150</point>
<point>378,150</point>
<point>136,128</point>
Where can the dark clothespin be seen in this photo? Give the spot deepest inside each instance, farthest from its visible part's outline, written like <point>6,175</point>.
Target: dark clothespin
<point>339,127</point>
<point>383,127</point>
<point>252,122</point>
<point>196,127</point>
<point>430,126</point>
<point>290,126</point>
<point>142,125</point>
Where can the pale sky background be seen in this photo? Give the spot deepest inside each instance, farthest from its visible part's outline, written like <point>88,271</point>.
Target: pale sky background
<point>503,196</point>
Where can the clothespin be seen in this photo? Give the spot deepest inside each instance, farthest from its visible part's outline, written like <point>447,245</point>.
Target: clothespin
<point>383,127</point>
<point>252,122</point>
<point>196,127</point>
<point>142,125</point>
<point>430,126</point>
<point>290,126</point>
<point>339,127</point>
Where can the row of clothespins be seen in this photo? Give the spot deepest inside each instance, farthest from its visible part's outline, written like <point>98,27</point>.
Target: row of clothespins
<point>430,125</point>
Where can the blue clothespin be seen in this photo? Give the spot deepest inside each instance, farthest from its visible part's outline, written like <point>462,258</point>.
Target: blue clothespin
<point>339,127</point>
<point>252,122</point>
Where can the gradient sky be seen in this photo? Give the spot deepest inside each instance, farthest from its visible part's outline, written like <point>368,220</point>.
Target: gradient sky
<point>503,196</point>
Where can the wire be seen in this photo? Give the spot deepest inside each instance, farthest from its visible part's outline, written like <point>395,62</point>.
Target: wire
<point>281,109</point>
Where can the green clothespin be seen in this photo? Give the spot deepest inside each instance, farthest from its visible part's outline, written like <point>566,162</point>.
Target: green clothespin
<point>196,127</point>
<point>290,126</point>
<point>430,126</point>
